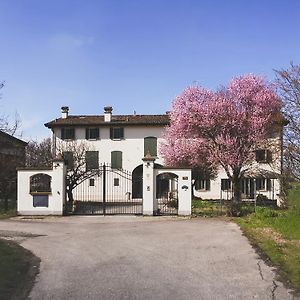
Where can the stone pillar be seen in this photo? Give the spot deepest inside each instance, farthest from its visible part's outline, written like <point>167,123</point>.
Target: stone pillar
<point>148,185</point>
<point>59,182</point>
<point>185,193</point>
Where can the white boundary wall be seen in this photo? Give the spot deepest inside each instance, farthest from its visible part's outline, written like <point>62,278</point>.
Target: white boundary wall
<point>56,199</point>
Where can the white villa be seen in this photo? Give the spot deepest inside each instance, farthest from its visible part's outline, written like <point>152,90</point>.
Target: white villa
<point>123,172</point>
<point>122,141</point>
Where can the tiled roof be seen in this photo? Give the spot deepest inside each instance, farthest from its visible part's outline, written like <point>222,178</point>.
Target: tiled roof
<point>118,120</point>
<point>5,137</point>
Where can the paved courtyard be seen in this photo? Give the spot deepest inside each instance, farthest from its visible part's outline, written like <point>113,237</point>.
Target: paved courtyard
<point>143,258</point>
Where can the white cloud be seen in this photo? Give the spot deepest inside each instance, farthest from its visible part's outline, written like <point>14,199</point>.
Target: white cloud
<point>64,41</point>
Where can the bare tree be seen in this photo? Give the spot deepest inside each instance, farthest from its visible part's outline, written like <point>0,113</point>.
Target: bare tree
<point>288,84</point>
<point>38,154</point>
<point>75,156</point>
<point>5,124</point>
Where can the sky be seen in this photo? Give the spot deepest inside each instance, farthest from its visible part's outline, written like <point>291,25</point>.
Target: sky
<point>134,55</point>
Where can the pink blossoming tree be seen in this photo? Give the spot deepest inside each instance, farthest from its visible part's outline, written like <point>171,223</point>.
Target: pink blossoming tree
<point>212,130</point>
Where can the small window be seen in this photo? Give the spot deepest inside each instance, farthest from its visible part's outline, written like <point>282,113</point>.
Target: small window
<point>68,133</point>
<point>92,133</point>
<point>202,184</point>
<point>263,155</point>
<point>92,182</point>
<point>117,133</point>
<point>150,146</point>
<point>116,182</point>
<point>116,160</point>
<point>40,200</point>
<point>225,184</point>
<point>69,159</point>
<point>92,160</point>
<point>263,184</point>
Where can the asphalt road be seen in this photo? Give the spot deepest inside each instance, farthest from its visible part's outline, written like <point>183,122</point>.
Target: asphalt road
<point>144,258</point>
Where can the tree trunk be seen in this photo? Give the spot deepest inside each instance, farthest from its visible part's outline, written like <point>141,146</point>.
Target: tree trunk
<point>70,195</point>
<point>235,205</point>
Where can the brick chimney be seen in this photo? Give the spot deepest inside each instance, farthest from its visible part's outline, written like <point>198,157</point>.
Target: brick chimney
<point>64,112</point>
<point>107,113</point>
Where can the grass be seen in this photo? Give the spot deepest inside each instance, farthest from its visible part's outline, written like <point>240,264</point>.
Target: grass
<point>16,270</point>
<point>277,233</point>
<point>7,214</point>
<point>10,212</point>
<point>215,208</point>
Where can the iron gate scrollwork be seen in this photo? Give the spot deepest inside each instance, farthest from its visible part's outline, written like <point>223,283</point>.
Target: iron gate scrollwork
<point>167,194</point>
<point>108,192</point>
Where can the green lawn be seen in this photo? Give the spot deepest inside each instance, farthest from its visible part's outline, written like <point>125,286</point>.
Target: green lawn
<point>277,233</point>
<point>18,268</point>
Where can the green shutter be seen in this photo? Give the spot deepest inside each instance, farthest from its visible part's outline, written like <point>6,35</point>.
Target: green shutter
<point>116,160</point>
<point>269,184</point>
<point>269,156</point>
<point>150,146</point>
<point>92,160</point>
<point>63,133</point>
<point>69,159</point>
<point>207,186</point>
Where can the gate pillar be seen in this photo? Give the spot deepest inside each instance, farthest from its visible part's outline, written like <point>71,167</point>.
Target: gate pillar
<point>149,202</point>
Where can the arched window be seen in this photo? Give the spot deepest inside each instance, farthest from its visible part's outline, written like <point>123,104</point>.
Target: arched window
<point>150,146</point>
<point>116,159</point>
<point>40,183</point>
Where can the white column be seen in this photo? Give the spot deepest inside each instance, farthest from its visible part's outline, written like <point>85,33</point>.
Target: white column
<point>148,185</point>
<point>185,193</point>
<point>59,184</point>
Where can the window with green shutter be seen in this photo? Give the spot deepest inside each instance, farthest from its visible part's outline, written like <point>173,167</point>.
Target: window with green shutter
<point>117,133</point>
<point>67,133</point>
<point>202,184</point>
<point>69,159</point>
<point>150,146</point>
<point>92,160</point>
<point>116,159</point>
<point>225,184</point>
<point>92,133</point>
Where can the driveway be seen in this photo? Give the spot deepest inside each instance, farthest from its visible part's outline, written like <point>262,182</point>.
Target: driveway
<point>144,258</point>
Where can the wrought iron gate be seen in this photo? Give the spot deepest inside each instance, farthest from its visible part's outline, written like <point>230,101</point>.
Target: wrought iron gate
<point>107,192</point>
<point>167,194</point>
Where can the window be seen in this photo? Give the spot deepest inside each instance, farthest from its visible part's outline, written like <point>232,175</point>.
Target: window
<point>116,160</point>
<point>92,133</point>
<point>150,146</point>
<point>116,182</point>
<point>40,200</point>
<point>263,155</point>
<point>40,183</point>
<point>92,160</point>
<point>263,184</point>
<point>69,159</point>
<point>202,184</point>
<point>68,133</point>
<point>225,184</point>
<point>117,133</point>
<point>92,182</point>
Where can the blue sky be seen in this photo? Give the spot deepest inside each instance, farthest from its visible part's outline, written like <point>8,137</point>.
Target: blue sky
<point>134,55</point>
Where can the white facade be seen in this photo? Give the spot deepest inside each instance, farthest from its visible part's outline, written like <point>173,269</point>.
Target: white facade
<point>132,146</point>
<point>262,177</point>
